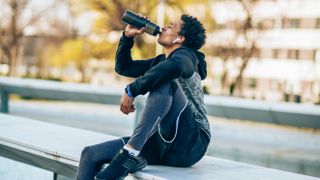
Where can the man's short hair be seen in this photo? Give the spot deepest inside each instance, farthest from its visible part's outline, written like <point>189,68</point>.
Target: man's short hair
<point>193,31</point>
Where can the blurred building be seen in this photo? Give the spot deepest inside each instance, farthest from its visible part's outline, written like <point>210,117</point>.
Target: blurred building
<point>286,64</point>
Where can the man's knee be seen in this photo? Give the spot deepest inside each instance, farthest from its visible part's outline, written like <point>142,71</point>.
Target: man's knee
<point>87,153</point>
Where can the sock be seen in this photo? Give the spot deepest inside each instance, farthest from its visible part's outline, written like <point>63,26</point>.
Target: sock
<point>131,151</point>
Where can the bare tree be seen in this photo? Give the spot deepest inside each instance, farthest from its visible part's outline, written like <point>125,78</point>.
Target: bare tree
<point>250,42</point>
<point>112,11</point>
<point>12,28</point>
<point>243,29</point>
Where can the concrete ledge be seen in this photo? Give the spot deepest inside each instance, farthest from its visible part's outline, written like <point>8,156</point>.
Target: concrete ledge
<point>57,148</point>
<point>215,168</point>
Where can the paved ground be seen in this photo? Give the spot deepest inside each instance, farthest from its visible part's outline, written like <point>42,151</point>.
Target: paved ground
<point>282,147</point>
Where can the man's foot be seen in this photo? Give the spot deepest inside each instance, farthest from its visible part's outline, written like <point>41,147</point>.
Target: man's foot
<point>121,165</point>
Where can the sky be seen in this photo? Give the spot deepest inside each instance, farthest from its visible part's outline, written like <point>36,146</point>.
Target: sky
<point>59,12</point>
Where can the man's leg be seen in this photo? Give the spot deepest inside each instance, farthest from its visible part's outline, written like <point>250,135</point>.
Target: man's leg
<point>161,142</point>
<point>158,104</point>
<point>190,144</point>
<point>179,142</point>
<point>95,155</point>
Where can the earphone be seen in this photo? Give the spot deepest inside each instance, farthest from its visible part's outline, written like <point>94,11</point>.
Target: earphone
<point>176,40</point>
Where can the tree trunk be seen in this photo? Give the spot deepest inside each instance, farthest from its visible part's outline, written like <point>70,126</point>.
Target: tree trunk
<point>13,62</point>
<point>224,77</point>
<point>83,73</point>
<point>239,78</point>
<point>6,52</point>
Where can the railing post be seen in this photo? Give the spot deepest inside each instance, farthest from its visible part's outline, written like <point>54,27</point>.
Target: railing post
<point>4,106</point>
<point>55,176</point>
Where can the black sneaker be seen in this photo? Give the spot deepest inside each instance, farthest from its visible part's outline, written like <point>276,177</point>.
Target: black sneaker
<point>121,165</point>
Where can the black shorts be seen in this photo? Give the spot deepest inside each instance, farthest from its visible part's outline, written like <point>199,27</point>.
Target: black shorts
<point>189,146</point>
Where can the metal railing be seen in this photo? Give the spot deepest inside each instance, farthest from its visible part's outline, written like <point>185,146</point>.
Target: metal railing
<point>228,107</point>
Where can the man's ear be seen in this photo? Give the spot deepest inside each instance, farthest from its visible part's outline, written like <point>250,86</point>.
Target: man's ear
<point>181,39</point>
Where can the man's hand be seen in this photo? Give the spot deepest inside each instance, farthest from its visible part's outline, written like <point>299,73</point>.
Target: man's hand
<point>126,104</point>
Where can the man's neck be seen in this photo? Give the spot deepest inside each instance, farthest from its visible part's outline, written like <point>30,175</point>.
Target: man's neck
<point>169,50</point>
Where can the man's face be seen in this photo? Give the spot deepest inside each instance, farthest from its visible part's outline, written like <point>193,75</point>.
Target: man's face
<point>170,33</point>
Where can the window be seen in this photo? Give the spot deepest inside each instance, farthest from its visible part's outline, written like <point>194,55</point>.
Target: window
<point>318,23</point>
<point>306,54</point>
<point>256,53</point>
<point>283,54</point>
<point>308,23</point>
<point>317,56</point>
<point>280,54</point>
<point>294,23</point>
<point>266,53</point>
<point>284,23</point>
<point>290,23</point>
<point>266,24</point>
<point>293,54</point>
<point>252,82</point>
<point>275,53</point>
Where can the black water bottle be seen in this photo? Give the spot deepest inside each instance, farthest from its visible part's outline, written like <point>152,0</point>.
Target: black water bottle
<point>138,22</point>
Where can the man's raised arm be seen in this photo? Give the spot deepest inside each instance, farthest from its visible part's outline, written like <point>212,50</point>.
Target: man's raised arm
<point>124,64</point>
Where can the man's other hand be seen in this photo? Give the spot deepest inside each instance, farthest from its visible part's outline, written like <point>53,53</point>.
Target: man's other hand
<point>126,104</point>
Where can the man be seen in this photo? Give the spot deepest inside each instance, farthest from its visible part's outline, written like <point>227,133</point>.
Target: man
<point>174,129</point>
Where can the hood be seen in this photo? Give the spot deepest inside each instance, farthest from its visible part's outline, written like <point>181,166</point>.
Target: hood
<point>202,66</point>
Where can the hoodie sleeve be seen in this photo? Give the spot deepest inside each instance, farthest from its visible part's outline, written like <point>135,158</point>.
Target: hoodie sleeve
<point>125,65</point>
<point>179,64</point>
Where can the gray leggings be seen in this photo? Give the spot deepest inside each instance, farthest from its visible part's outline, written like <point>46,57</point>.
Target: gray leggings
<point>161,114</point>
<point>164,106</point>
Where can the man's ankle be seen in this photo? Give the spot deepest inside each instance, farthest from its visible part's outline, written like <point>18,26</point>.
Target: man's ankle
<point>131,150</point>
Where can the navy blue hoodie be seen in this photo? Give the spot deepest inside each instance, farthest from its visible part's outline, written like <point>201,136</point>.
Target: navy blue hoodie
<point>151,73</point>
